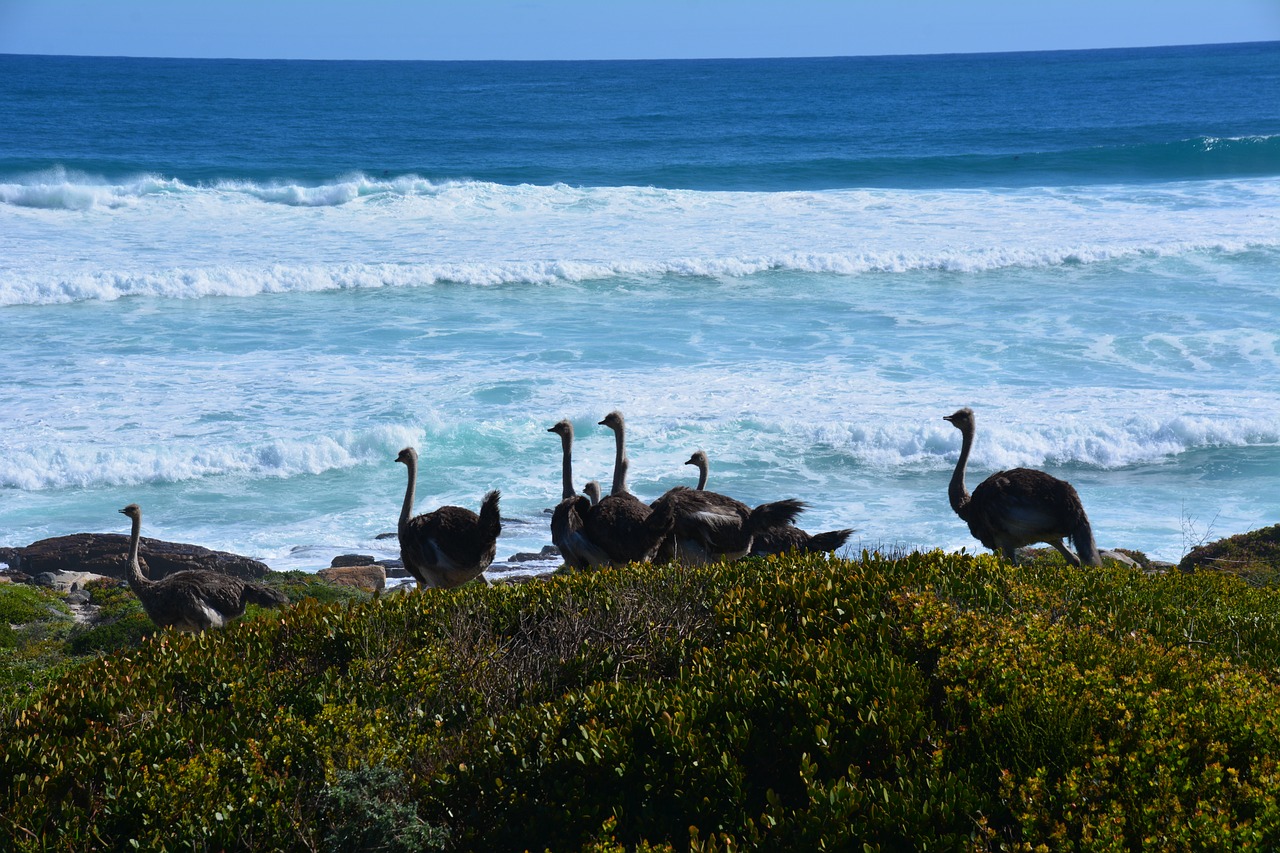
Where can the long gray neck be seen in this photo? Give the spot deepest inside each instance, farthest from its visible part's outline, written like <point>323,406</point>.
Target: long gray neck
<point>136,578</point>
<point>407,509</point>
<point>619,462</point>
<point>566,441</point>
<point>702,474</point>
<point>956,492</point>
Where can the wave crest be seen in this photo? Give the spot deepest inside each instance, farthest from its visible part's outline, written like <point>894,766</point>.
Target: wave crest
<point>92,467</point>
<point>235,281</point>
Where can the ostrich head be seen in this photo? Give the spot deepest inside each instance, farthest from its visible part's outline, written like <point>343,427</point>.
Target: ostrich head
<point>961,420</point>
<point>698,458</point>
<point>564,429</point>
<point>613,420</point>
<point>132,510</point>
<point>407,455</point>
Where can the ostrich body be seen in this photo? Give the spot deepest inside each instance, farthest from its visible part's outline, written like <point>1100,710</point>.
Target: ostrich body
<point>773,534</point>
<point>450,546</point>
<point>783,540</point>
<point>622,526</point>
<point>1019,507</point>
<point>569,517</point>
<point>195,599</point>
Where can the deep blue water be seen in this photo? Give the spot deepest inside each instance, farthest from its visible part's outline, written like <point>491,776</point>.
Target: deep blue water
<point>1062,118</point>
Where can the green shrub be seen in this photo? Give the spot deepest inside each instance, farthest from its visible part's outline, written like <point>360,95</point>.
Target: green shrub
<point>1254,555</point>
<point>22,603</point>
<point>364,811</point>
<point>299,585</point>
<point>125,631</point>
<point>932,702</point>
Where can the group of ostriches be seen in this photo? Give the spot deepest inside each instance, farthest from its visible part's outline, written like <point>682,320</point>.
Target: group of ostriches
<point>452,545</point>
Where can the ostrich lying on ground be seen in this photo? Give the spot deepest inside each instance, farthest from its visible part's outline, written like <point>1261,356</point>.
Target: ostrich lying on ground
<point>776,537</point>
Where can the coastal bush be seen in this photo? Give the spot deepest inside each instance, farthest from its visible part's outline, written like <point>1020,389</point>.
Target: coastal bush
<point>299,585</point>
<point>22,603</point>
<point>1254,556</point>
<point>364,811</point>
<point>931,702</point>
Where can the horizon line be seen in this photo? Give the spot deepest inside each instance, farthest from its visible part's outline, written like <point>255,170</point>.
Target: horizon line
<point>649,58</point>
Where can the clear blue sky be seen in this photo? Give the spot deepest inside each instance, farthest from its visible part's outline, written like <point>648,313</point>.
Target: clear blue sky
<point>615,29</point>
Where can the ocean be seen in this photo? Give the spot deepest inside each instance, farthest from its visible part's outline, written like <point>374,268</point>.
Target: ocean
<point>231,291</point>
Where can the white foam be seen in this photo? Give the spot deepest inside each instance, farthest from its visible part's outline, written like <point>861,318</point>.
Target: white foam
<point>39,467</point>
<point>41,288</point>
<point>66,239</point>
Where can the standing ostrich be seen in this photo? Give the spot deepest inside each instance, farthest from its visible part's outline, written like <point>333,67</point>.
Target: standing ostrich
<point>569,516</point>
<point>621,525</point>
<point>195,599</point>
<point>450,546</point>
<point>1019,507</point>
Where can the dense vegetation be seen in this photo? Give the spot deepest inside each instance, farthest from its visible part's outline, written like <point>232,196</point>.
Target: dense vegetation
<point>930,702</point>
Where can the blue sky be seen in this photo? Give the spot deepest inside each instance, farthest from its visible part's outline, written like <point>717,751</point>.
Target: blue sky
<point>615,29</point>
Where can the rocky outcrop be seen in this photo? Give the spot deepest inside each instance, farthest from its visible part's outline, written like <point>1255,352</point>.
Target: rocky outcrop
<point>548,552</point>
<point>107,554</point>
<point>68,581</point>
<point>369,577</point>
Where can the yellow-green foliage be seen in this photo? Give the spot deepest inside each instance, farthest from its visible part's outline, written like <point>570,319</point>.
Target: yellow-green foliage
<point>1254,556</point>
<point>20,603</point>
<point>934,702</point>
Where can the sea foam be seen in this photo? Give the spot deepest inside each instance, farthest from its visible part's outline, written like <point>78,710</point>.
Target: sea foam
<point>43,288</point>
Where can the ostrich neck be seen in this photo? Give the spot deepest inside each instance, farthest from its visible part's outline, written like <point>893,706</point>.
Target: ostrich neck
<point>136,577</point>
<point>407,509</point>
<point>956,492</point>
<point>567,467</point>
<point>619,468</point>
<point>702,475</point>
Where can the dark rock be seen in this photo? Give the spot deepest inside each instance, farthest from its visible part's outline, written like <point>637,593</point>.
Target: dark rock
<point>78,596</point>
<point>394,568</point>
<point>548,552</point>
<point>14,576</point>
<point>386,536</point>
<point>8,556</point>
<point>108,553</point>
<point>352,560</point>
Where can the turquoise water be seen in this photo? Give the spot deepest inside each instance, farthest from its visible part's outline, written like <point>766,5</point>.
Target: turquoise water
<point>231,291</point>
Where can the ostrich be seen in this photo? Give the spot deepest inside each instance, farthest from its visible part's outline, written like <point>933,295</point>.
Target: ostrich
<point>624,527</point>
<point>1018,507</point>
<point>770,535</point>
<point>568,518</point>
<point>195,599</point>
<point>783,540</point>
<point>592,491</point>
<point>450,546</point>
